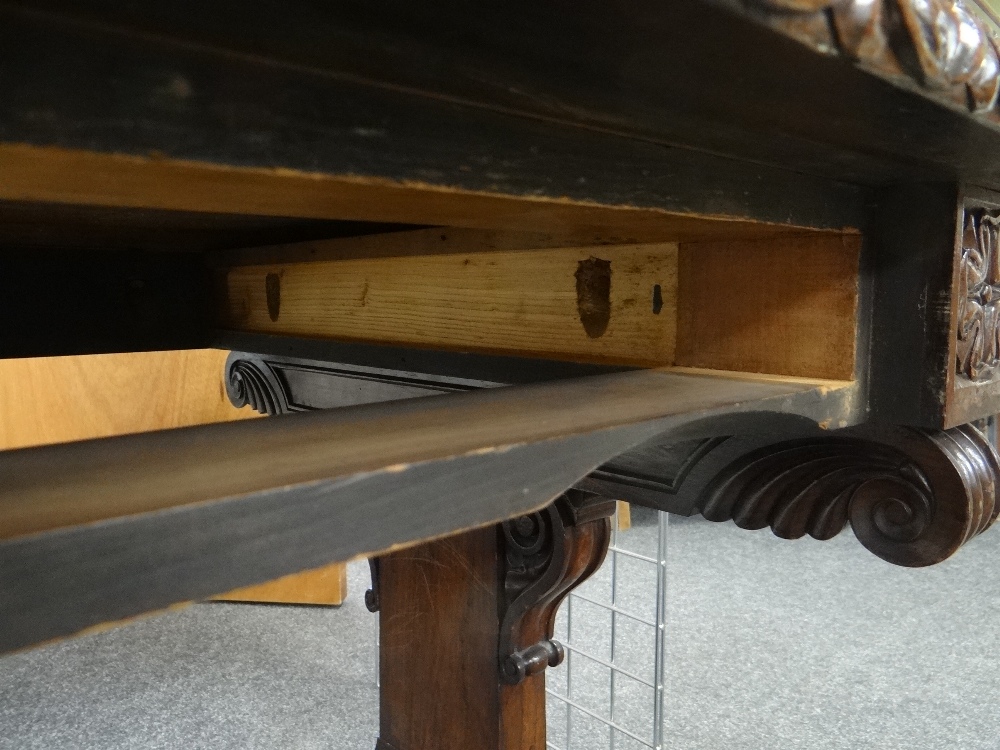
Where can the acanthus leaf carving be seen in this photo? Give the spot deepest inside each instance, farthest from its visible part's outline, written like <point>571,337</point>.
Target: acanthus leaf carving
<point>940,44</point>
<point>978,333</point>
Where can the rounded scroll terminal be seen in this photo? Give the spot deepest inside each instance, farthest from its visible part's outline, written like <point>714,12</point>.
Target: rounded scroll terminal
<point>252,382</point>
<point>912,496</point>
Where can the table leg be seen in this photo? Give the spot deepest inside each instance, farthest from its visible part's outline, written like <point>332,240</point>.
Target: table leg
<point>466,627</point>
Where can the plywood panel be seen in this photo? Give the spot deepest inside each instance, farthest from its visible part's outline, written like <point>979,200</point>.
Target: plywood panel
<point>613,304</point>
<point>59,399</point>
<point>786,306</point>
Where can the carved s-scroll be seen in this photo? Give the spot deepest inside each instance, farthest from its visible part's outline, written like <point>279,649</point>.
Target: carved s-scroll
<point>913,497</point>
<point>547,554</point>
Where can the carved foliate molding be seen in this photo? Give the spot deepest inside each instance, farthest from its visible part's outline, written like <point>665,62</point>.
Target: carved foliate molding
<point>912,497</point>
<point>978,333</point>
<point>547,554</point>
<point>939,44</point>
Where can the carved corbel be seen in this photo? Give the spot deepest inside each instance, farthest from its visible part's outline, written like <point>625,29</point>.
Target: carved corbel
<point>912,496</point>
<point>546,555</point>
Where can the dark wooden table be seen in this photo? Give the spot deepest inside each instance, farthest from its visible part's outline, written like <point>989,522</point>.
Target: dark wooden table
<point>708,256</point>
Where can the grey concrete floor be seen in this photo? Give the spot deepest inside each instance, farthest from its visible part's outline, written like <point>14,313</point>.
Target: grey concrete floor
<point>771,644</point>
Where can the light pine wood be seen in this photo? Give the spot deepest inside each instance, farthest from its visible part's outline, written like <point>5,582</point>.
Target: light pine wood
<point>786,306</point>
<point>57,175</point>
<point>521,302</point>
<point>61,399</point>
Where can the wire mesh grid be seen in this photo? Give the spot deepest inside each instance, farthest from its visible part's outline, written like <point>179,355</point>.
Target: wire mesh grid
<point>609,693</point>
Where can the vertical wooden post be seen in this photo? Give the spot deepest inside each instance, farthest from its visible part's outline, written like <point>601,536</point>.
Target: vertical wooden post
<point>466,627</point>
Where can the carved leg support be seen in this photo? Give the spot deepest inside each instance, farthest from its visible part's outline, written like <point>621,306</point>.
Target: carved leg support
<point>466,627</point>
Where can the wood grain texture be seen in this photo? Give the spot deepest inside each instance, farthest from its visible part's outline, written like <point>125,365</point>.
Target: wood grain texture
<point>78,177</point>
<point>529,302</point>
<point>441,605</point>
<point>438,645</point>
<point>522,710</point>
<point>102,530</point>
<point>246,117</point>
<point>786,306</point>
<point>617,68</point>
<point>63,485</point>
<point>60,399</point>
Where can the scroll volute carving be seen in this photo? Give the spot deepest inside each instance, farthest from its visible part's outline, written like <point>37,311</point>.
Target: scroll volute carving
<point>547,554</point>
<point>912,497</point>
<point>252,382</point>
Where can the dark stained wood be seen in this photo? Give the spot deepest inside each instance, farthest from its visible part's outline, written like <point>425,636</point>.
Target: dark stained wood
<point>102,530</point>
<point>440,686</point>
<point>694,72</point>
<point>912,496</point>
<point>52,487</point>
<point>933,309</point>
<point>214,131</point>
<point>975,380</point>
<point>900,41</point>
<point>912,249</point>
<point>455,612</point>
<point>79,578</point>
<point>546,555</point>
<point>792,475</point>
<point>399,361</point>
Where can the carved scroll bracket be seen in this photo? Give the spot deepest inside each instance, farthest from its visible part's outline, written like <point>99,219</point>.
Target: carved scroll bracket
<point>251,381</point>
<point>912,497</point>
<point>547,554</point>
